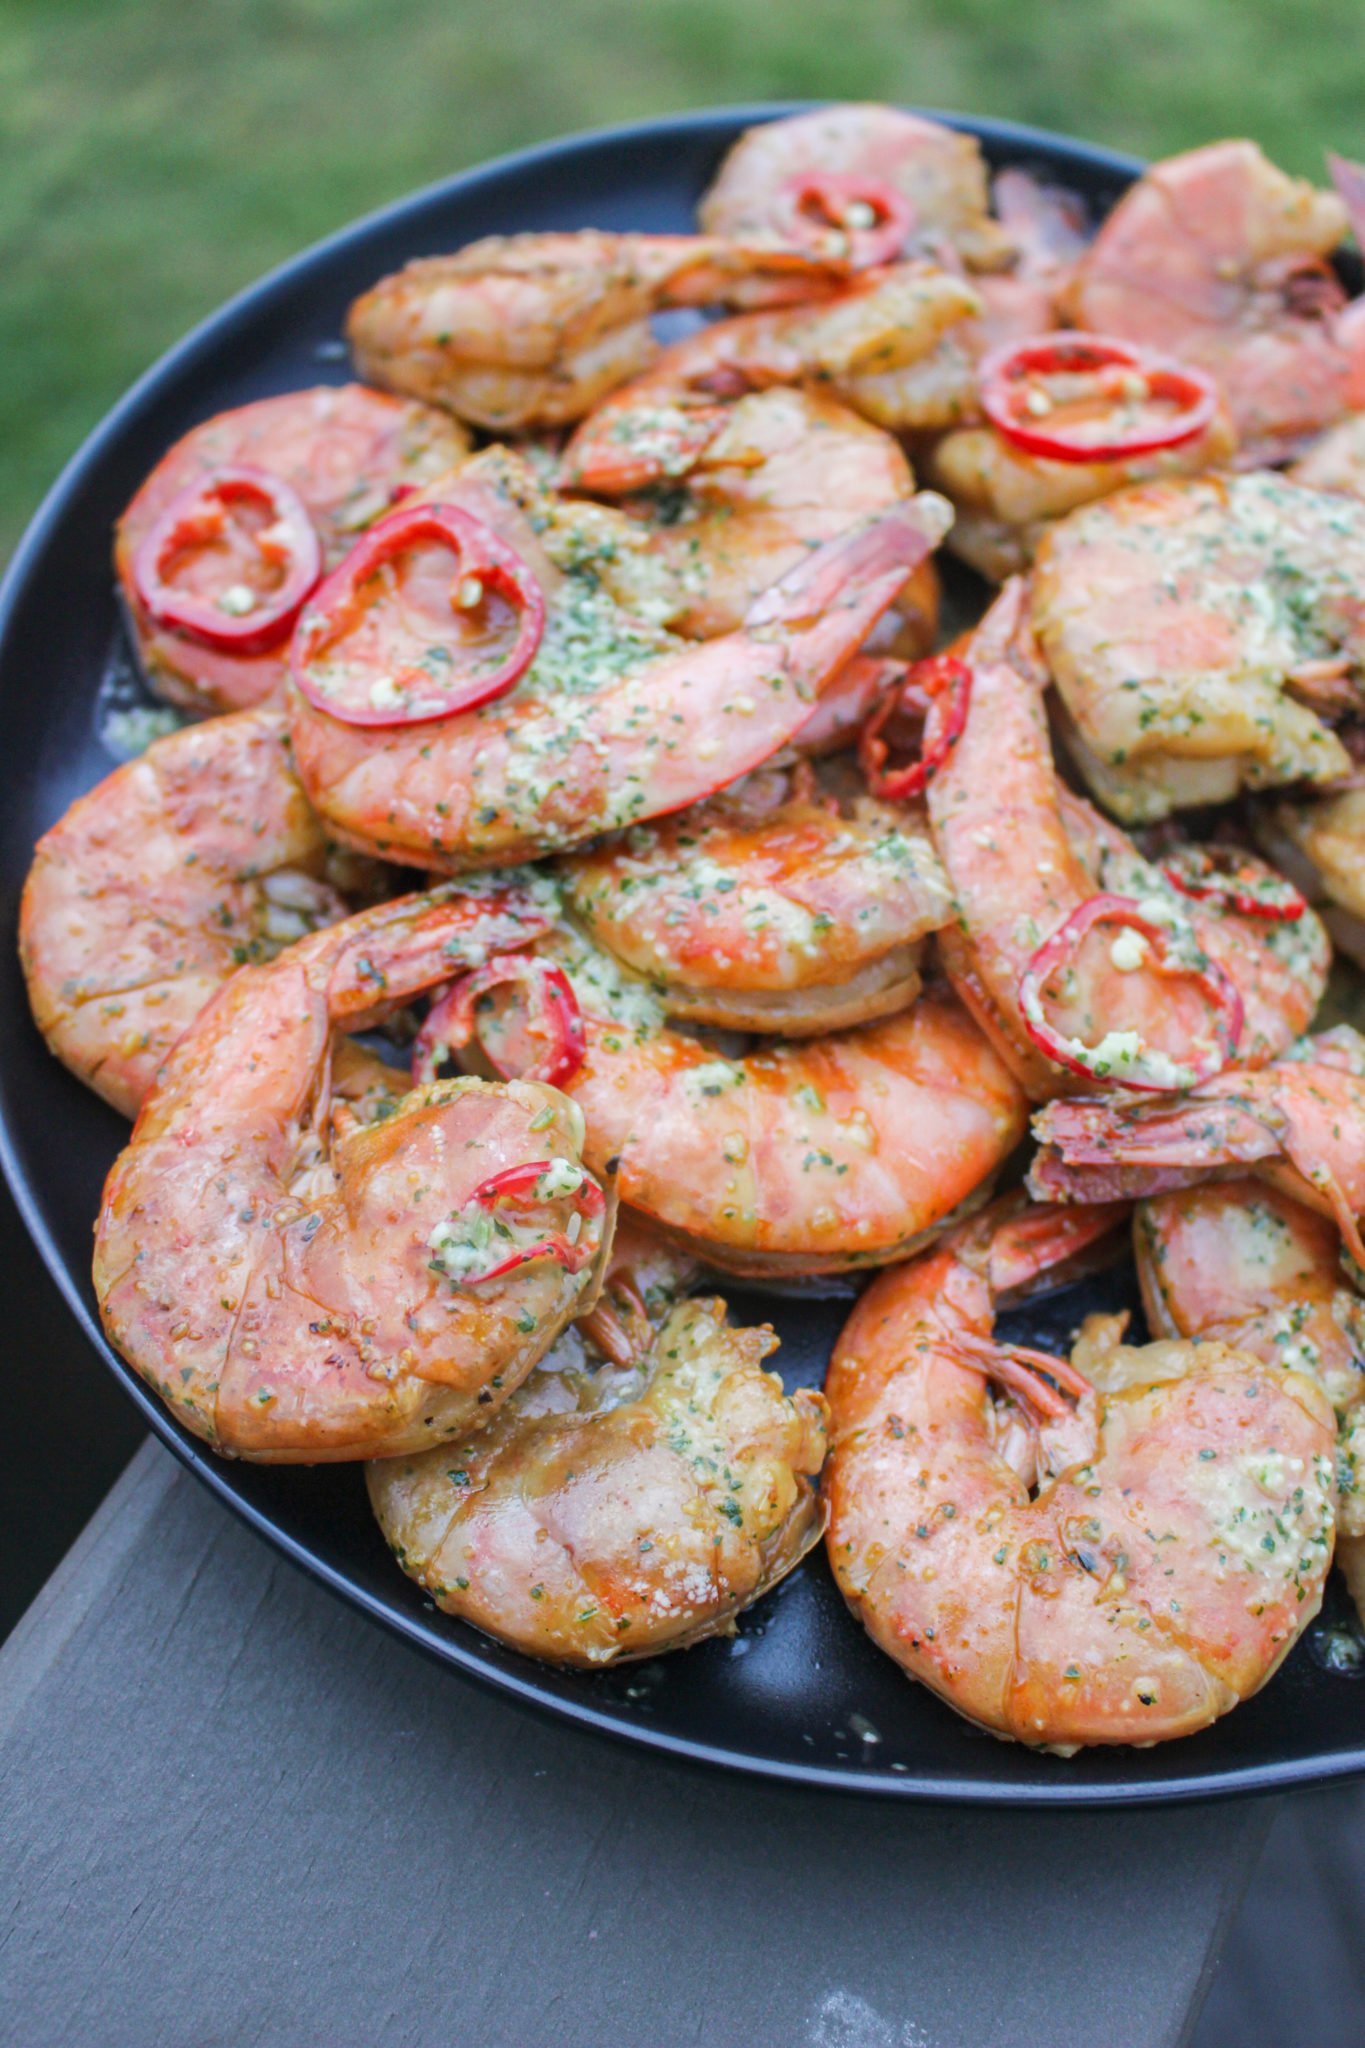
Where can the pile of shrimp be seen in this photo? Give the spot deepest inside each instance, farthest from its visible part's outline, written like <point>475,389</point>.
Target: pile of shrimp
<point>594,869</point>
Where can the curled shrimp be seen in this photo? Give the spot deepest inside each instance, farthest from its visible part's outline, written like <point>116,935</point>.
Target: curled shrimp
<point>835,1152</point>
<point>1142,995</point>
<point>1218,258</point>
<point>159,883</point>
<point>659,425</point>
<point>301,1286</point>
<point>1336,460</point>
<point>768,908</point>
<point>518,332</point>
<point>1006,499</point>
<point>1241,1262</point>
<point>610,1514</point>
<point>1162,1549</point>
<point>1200,634</point>
<point>1298,1123</point>
<point>347,453</point>
<point>613,722</point>
<point>840,176</point>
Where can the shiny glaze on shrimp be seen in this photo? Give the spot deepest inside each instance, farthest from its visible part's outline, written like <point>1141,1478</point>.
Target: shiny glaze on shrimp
<point>1174,1549</point>
<point>1022,856</point>
<point>769,908</point>
<point>787,470</point>
<point>1196,629</point>
<point>1241,1262</point>
<point>614,722</point>
<point>658,425</point>
<point>1006,499</point>
<point>518,332</point>
<point>1220,259</point>
<point>838,1151</point>
<point>159,883</point>
<point>609,1514</point>
<point>1298,1123</point>
<point>289,1281</point>
<point>940,173</point>
<point>349,453</point>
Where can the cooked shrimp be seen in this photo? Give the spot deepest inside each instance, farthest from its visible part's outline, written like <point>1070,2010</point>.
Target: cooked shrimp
<point>518,332</point>
<point>1241,1262</point>
<point>347,452</point>
<point>836,1152</point>
<point>1298,1123</point>
<point>159,883</point>
<point>1006,499</point>
<point>301,1288</point>
<point>608,1515</point>
<point>1117,1006</point>
<point>835,177</point>
<point>613,722</point>
<point>766,909</point>
<point>788,470</point>
<point>1195,630</point>
<point>1336,460</point>
<point>658,426</point>
<point>1218,258</point>
<point>1174,1550</point>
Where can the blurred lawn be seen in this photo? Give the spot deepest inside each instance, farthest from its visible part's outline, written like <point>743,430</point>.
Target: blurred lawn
<point>157,154</point>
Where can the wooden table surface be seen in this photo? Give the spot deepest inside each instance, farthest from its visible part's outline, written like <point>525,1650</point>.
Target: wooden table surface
<point>234,1812</point>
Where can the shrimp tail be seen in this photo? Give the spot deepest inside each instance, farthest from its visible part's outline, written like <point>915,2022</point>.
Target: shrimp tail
<point>865,567</point>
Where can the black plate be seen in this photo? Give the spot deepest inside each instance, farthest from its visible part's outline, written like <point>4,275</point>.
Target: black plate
<point>800,1693</point>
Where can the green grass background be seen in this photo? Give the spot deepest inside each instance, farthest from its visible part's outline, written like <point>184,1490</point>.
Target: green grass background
<point>157,154</point>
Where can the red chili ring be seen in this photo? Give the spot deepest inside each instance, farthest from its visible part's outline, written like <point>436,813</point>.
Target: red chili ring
<point>553,1014</point>
<point>1007,378</point>
<point>520,1182</point>
<point>833,192</point>
<point>1217,873</point>
<point>1222,993</point>
<point>415,695</point>
<point>947,682</point>
<point>196,516</point>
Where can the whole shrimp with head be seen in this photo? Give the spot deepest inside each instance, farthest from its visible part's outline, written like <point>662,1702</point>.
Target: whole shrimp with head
<point>520,332</point>
<point>461,702</point>
<point>1113,1559</point>
<point>1083,962</point>
<point>301,1285</point>
<point>617,1508</point>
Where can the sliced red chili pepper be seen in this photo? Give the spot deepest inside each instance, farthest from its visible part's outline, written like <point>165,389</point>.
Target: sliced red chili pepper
<point>946,682</point>
<point>1083,398</point>
<point>384,643</point>
<point>552,1017</point>
<point>1123,1066</point>
<point>871,218</point>
<point>1228,879</point>
<point>530,1185</point>
<point>230,561</point>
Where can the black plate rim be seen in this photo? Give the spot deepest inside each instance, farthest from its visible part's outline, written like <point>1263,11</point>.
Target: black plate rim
<point>215,1474</point>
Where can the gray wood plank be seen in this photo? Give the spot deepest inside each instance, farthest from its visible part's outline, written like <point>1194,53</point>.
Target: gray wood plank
<point>233,1812</point>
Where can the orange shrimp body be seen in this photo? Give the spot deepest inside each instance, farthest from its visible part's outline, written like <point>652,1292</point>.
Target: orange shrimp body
<point>294,1283</point>
<point>347,452</point>
<point>1173,1551</point>
<point>517,332</point>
